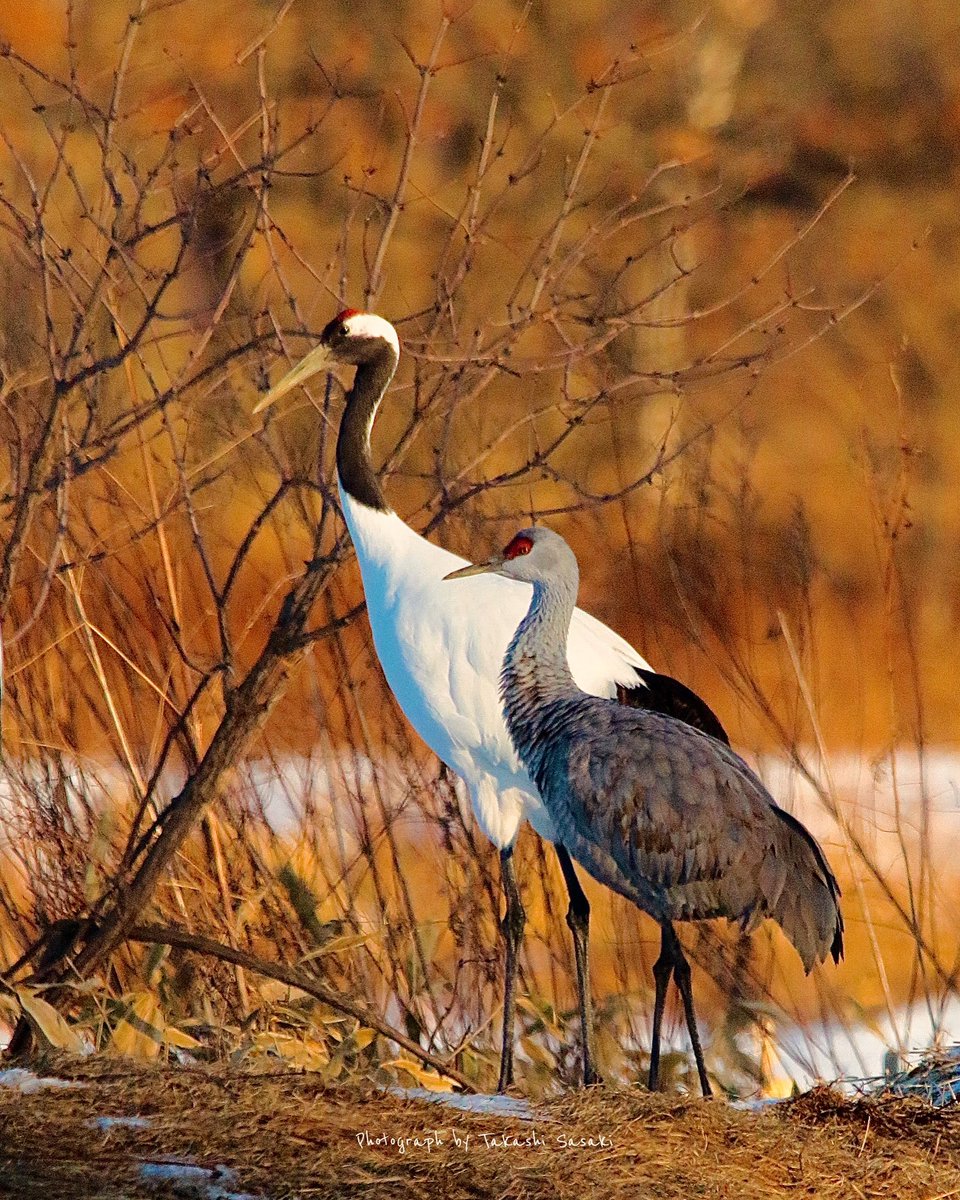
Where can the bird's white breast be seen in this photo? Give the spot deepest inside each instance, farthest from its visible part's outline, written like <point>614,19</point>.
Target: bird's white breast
<point>441,645</point>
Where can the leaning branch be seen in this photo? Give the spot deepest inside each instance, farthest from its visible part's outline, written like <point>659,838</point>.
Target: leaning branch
<point>168,935</point>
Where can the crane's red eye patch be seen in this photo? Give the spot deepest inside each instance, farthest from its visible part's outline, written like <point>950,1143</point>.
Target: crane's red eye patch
<point>345,316</point>
<point>521,544</point>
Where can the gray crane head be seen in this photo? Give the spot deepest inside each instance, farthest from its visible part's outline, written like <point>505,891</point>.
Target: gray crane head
<point>535,555</point>
<point>351,338</point>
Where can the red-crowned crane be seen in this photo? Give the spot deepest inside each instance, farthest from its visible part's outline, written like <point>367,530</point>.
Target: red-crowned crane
<point>441,648</point>
<point>658,811</point>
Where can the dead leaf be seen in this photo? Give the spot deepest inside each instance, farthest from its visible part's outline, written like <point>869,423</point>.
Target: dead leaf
<point>140,1032</point>
<point>48,1022</point>
<point>363,1037</point>
<point>346,941</point>
<point>426,1077</point>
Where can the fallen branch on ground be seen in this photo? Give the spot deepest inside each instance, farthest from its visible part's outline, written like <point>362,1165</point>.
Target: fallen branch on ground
<point>169,935</point>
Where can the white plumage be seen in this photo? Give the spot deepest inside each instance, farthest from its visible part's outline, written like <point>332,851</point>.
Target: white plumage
<point>442,649</point>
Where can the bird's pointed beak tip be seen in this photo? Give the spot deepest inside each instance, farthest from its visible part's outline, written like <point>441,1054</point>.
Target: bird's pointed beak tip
<point>473,569</point>
<point>315,361</point>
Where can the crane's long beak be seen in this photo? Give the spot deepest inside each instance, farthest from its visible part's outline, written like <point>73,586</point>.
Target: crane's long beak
<point>484,568</point>
<point>315,361</point>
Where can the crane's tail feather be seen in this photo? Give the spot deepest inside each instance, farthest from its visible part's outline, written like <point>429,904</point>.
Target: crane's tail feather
<point>808,909</point>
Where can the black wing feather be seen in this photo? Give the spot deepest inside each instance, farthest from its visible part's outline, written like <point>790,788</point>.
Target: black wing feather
<point>668,696</point>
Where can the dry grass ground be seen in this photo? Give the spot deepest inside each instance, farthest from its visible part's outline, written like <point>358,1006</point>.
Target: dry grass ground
<point>287,1135</point>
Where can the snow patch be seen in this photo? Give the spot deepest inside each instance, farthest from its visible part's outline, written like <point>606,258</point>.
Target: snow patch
<point>25,1081</point>
<point>197,1183</point>
<point>496,1105</point>
<point>757,1103</point>
<point>105,1124</point>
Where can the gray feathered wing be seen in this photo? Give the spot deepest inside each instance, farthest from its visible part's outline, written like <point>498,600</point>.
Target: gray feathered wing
<point>677,822</point>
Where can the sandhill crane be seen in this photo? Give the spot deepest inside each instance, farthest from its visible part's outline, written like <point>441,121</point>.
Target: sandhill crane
<point>441,648</point>
<point>665,815</point>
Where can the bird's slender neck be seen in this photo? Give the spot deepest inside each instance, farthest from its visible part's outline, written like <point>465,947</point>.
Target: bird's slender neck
<point>354,465</point>
<point>536,673</point>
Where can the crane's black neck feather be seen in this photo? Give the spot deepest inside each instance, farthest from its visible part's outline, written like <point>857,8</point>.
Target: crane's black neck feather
<point>354,466</point>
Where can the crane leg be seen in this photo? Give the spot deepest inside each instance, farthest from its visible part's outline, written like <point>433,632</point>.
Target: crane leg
<point>514,920</point>
<point>578,919</point>
<point>662,971</point>
<point>681,973</point>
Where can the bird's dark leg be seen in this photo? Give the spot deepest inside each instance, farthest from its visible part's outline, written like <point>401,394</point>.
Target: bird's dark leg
<point>662,970</point>
<point>681,973</point>
<point>578,918</point>
<point>514,920</point>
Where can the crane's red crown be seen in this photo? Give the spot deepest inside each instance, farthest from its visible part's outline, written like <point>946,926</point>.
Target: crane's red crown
<point>333,328</point>
<point>518,545</point>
